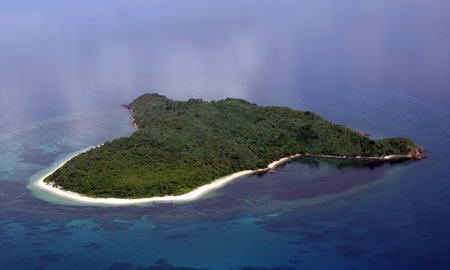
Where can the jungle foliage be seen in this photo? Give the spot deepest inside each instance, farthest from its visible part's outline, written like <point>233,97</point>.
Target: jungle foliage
<point>181,145</point>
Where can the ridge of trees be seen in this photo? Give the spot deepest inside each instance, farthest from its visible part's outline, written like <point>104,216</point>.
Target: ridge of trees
<point>181,145</point>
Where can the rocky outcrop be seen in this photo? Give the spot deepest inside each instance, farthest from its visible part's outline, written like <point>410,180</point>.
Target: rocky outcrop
<point>129,106</point>
<point>418,153</point>
<point>363,134</point>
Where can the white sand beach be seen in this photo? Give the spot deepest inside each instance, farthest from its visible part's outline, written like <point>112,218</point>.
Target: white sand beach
<point>190,196</point>
<point>193,195</point>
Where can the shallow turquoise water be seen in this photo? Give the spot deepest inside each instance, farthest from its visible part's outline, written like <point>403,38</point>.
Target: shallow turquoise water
<point>65,69</point>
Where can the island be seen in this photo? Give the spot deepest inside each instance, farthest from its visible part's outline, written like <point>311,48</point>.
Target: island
<point>184,146</point>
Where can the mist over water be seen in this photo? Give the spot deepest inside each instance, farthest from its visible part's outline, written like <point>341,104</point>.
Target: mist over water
<point>381,68</point>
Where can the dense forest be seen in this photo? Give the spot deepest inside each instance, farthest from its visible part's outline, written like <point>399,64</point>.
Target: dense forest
<point>180,145</point>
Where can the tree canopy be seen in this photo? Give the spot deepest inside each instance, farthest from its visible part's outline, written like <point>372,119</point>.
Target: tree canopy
<point>181,145</point>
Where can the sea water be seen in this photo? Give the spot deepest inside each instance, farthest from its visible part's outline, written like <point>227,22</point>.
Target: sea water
<point>380,68</point>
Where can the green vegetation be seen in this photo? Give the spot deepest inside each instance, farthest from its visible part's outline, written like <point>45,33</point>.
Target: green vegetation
<point>182,145</point>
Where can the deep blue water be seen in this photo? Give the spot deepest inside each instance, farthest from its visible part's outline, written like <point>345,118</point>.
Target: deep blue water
<point>380,67</point>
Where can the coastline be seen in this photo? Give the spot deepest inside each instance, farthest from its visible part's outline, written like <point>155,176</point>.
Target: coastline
<point>190,196</point>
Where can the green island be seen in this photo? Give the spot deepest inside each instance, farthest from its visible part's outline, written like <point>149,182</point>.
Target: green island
<point>181,145</point>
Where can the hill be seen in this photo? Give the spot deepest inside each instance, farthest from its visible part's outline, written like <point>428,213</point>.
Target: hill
<point>181,145</point>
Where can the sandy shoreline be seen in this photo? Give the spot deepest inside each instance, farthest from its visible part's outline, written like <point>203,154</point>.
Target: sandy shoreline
<point>190,196</point>
<point>193,195</point>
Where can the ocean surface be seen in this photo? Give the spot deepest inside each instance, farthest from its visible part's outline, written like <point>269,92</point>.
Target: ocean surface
<point>380,67</point>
